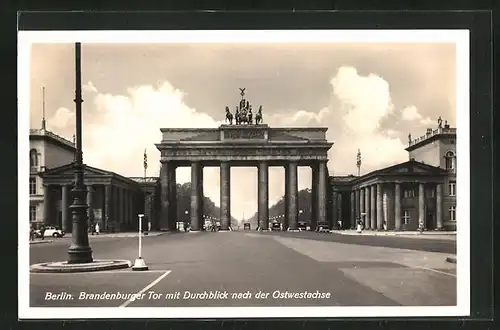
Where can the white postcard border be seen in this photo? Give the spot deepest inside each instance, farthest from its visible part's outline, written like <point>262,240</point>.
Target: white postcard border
<point>459,37</point>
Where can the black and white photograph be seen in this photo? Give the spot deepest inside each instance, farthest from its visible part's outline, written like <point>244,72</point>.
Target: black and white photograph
<point>247,174</point>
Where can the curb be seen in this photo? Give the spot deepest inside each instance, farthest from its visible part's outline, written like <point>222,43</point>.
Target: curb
<point>40,242</point>
<point>63,267</point>
<point>452,260</point>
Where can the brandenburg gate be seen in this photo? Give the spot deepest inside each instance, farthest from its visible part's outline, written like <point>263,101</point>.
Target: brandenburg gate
<point>243,144</point>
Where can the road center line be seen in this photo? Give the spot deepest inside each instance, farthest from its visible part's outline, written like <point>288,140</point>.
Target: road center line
<point>149,286</point>
<point>432,270</point>
<point>115,272</point>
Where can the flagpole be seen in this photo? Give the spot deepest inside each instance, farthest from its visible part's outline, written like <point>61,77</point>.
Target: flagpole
<point>358,162</point>
<point>146,197</point>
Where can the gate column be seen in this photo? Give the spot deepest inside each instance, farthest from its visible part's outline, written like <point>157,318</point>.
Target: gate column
<point>321,194</point>
<point>314,196</point>
<point>263,195</point>
<point>164,196</point>
<point>195,195</point>
<point>293,201</point>
<point>172,197</point>
<point>225,195</point>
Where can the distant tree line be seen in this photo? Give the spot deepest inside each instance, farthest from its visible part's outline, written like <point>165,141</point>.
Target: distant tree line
<point>278,209</point>
<point>184,204</point>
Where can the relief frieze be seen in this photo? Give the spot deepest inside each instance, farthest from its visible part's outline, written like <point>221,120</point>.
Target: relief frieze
<point>247,134</point>
<point>244,152</point>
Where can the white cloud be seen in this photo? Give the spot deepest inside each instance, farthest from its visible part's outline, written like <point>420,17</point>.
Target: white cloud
<point>89,87</point>
<point>411,114</point>
<point>363,102</point>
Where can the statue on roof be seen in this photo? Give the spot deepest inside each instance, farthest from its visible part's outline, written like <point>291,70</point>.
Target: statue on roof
<point>243,113</point>
<point>440,122</point>
<point>258,116</point>
<point>229,116</point>
<point>409,138</point>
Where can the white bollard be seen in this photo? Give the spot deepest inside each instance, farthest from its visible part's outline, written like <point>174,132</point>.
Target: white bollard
<point>139,262</point>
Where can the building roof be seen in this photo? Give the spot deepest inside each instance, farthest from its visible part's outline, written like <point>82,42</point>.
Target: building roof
<point>430,136</point>
<point>145,180</point>
<point>89,170</point>
<point>408,168</point>
<point>52,137</point>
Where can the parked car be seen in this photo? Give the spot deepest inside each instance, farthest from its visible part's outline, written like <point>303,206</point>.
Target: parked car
<point>302,225</point>
<point>276,226</point>
<point>50,231</point>
<point>322,228</point>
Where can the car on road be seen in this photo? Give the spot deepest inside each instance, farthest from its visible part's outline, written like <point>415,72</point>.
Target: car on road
<point>246,226</point>
<point>276,226</point>
<point>50,231</point>
<point>302,225</point>
<point>322,228</point>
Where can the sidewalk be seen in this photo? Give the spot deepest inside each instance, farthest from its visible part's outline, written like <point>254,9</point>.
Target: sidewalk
<point>449,235</point>
<point>122,234</point>
<point>40,241</point>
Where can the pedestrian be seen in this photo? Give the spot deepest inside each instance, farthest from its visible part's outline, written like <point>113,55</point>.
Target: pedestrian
<point>32,233</point>
<point>97,228</point>
<point>42,232</point>
<point>359,228</point>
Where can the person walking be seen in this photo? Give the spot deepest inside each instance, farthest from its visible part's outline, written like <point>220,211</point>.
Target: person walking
<point>97,228</point>
<point>42,232</point>
<point>32,233</point>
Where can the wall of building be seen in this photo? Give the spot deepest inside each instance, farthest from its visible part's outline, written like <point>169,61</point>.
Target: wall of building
<point>429,153</point>
<point>445,145</point>
<point>55,156</point>
<point>50,155</point>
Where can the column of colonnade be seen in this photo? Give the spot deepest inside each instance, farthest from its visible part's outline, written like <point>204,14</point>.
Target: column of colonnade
<point>116,204</point>
<point>168,195</point>
<point>378,210</point>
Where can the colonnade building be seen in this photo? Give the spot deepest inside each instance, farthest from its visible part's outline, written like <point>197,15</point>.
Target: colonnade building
<point>418,193</point>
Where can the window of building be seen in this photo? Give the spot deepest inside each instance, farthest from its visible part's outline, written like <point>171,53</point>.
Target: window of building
<point>32,213</point>
<point>430,192</point>
<point>453,213</point>
<point>32,186</point>
<point>452,188</point>
<point>33,158</point>
<point>409,193</point>
<point>406,217</point>
<point>450,160</point>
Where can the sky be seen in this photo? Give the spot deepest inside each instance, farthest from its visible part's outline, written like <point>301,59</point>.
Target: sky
<point>369,96</point>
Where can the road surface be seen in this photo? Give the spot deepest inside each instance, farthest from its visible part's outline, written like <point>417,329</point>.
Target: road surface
<point>253,269</point>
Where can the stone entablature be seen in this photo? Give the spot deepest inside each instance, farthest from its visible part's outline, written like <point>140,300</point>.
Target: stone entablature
<point>244,143</point>
<point>248,134</point>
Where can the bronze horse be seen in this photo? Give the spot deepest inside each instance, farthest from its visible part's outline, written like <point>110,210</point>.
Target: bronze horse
<point>229,116</point>
<point>258,116</point>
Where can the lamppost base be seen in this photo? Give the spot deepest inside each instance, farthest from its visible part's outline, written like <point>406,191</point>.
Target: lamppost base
<point>139,265</point>
<point>79,254</point>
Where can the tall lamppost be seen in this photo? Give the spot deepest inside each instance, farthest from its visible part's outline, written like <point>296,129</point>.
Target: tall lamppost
<point>79,251</point>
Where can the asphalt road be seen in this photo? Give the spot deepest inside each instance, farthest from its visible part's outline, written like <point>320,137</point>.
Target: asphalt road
<point>237,266</point>
<point>419,244</point>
